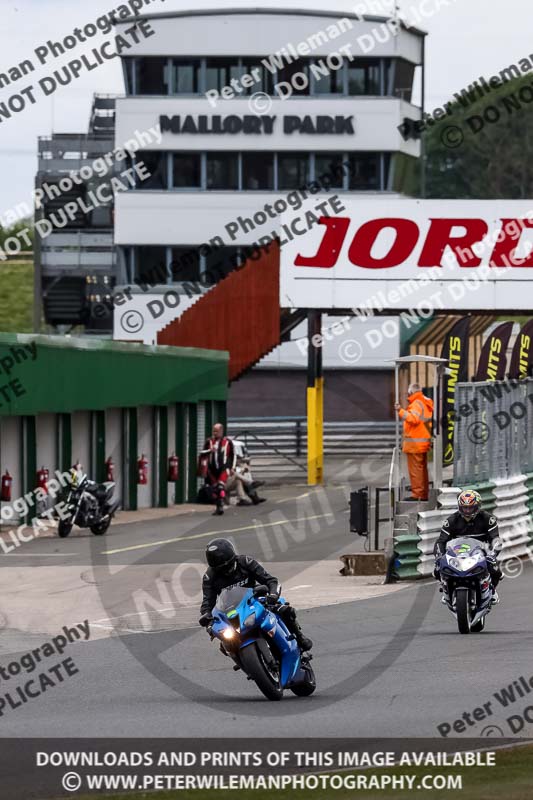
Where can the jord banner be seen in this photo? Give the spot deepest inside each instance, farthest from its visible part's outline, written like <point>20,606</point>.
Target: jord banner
<point>402,254</point>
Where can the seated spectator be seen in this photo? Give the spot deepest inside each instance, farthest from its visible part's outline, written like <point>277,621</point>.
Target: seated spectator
<point>241,479</point>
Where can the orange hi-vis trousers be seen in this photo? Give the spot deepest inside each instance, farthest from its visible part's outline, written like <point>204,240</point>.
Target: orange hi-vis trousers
<point>417,464</point>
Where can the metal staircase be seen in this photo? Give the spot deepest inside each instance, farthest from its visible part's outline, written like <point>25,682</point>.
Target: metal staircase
<point>241,314</point>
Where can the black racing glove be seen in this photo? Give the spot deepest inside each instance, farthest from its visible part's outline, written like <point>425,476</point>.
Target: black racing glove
<point>436,568</point>
<point>272,599</point>
<point>205,620</point>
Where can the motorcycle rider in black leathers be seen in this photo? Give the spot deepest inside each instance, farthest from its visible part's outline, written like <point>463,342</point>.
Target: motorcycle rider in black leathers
<point>226,568</point>
<point>470,520</point>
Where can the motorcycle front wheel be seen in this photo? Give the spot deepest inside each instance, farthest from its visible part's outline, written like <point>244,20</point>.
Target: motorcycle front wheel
<point>256,667</point>
<point>64,528</point>
<point>462,607</point>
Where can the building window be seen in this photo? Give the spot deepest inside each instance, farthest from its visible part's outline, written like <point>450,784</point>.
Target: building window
<point>365,172</point>
<point>297,76</point>
<point>186,171</point>
<point>330,167</point>
<point>219,263</point>
<point>220,71</point>
<point>129,68</point>
<point>363,78</point>
<point>258,171</point>
<point>185,264</point>
<point>223,171</point>
<point>263,78</point>
<point>326,80</point>
<point>186,76</point>
<point>293,170</point>
<point>387,77</point>
<point>387,177</point>
<point>404,75</point>
<point>155,163</point>
<point>152,75</point>
<point>150,265</point>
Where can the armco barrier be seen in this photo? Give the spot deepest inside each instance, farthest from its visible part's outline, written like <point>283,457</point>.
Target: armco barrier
<point>407,549</point>
<point>510,500</point>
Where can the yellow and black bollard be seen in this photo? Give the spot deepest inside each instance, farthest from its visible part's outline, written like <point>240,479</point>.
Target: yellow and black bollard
<point>315,401</point>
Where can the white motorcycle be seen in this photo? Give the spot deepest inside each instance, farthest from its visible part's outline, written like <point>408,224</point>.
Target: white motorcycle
<point>466,584</point>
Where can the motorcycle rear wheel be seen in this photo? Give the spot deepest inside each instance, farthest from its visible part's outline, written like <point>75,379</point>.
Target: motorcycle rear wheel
<point>64,528</point>
<point>308,686</point>
<point>100,529</point>
<point>258,670</point>
<point>462,608</point>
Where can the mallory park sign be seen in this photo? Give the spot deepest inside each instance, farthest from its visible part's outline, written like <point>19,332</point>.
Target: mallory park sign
<point>251,124</point>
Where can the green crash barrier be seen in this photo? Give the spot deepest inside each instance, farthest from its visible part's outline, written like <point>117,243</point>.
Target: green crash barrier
<point>407,556</point>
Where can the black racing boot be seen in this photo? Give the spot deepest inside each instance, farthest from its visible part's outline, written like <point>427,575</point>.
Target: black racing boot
<point>288,615</point>
<point>303,642</point>
<point>219,510</point>
<point>254,497</point>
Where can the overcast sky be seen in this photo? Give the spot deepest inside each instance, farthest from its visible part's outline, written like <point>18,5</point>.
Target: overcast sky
<point>467,38</point>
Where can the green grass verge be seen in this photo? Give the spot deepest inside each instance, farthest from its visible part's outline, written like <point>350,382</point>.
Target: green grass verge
<point>510,779</point>
<point>16,297</point>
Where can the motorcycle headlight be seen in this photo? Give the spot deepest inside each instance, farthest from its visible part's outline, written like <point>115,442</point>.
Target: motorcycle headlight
<point>463,564</point>
<point>250,620</point>
<point>228,633</point>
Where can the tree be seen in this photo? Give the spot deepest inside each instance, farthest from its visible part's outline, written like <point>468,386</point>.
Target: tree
<point>483,150</point>
<point>12,230</point>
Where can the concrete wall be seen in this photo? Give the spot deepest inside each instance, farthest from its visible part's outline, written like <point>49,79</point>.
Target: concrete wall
<point>349,395</point>
<point>247,34</point>
<point>171,448</point>
<point>145,444</point>
<point>10,455</point>
<point>115,448</point>
<point>45,428</point>
<point>81,449</point>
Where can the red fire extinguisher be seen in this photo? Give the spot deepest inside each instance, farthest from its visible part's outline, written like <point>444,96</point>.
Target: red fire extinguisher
<point>42,479</point>
<point>173,468</point>
<point>109,470</point>
<point>142,470</point>
<point>7,481</point>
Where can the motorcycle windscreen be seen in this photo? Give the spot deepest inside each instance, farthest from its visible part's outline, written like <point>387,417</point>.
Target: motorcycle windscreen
<point>231,598</point>
<point>466,546</point>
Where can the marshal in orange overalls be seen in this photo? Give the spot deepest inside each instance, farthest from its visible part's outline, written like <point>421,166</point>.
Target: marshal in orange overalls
<point>417,426</point>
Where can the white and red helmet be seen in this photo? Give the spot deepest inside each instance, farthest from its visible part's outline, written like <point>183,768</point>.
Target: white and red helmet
<point>469,503</point>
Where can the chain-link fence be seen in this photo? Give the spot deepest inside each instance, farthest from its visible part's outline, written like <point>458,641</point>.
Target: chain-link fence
<point>493,430</point>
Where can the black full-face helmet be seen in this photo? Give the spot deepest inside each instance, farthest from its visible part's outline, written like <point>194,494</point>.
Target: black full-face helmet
<point>221,556</point>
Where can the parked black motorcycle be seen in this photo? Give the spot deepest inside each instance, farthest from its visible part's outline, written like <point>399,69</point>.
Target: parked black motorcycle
<point>88,505</point>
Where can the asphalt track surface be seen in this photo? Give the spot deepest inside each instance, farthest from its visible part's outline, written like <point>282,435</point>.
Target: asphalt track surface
<point>388,666</point>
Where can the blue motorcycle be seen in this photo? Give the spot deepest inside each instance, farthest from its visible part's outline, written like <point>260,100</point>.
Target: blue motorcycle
<point>466,584</point>
<point>256,638</point>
